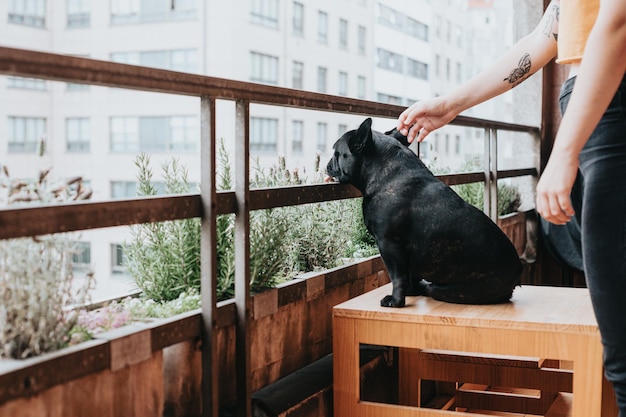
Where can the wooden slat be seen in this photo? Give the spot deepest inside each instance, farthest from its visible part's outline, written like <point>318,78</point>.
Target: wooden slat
<point>31,376</point>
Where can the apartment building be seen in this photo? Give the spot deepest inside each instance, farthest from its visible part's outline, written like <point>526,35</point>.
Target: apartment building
<point>393,51</point>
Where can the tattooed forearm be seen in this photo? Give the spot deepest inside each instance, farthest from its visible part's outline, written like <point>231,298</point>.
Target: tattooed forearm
<point>551,22</point>
<point>520,73</point>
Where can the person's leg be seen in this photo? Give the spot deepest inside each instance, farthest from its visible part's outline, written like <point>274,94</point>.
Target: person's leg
<point>603,168</point>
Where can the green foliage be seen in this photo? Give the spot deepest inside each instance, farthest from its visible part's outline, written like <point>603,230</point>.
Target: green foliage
<point>164,258</point>
<point>509,198</point>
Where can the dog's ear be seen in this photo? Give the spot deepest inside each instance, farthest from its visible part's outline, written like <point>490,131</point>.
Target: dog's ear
<point>398,136</point>
<point>362,138</point>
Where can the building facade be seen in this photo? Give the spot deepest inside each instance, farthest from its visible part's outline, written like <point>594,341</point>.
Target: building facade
<point>391,51</point>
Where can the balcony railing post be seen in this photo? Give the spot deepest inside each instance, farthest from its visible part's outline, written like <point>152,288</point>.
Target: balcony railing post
<point>242,256</point>
<point>493,207</point>
<point>490,206</point>
<point>208,259</point>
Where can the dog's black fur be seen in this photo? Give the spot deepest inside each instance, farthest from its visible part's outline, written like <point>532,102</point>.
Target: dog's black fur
<point>432,242</point>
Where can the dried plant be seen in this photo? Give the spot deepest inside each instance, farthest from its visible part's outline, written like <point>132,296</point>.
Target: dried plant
<point>37,284</point>
<point>37,289</point>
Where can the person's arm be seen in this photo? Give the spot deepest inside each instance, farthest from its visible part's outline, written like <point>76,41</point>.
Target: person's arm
<point>601,71</point>
<point>524,58</point>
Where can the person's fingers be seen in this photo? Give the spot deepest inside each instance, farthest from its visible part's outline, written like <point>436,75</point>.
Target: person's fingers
<point>413,133</point>
<point>566,205</point>
<point>401,123</point>
<point>422,134</point>
<point>556,209</point>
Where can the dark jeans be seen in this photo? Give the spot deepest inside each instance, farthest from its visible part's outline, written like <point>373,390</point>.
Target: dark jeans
<point>602,176</point>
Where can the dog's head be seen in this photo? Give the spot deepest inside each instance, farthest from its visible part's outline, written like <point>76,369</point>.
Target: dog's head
<point>345,164</point>
<point>353,147</point>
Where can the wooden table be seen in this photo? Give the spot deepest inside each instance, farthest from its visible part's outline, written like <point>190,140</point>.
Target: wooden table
<point>544,322</point>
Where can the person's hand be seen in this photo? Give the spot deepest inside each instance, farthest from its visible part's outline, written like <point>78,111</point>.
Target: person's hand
<point>554,188</point>
<point>423,117</point>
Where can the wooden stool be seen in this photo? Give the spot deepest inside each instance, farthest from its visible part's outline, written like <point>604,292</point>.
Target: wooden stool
<point>540,322</point>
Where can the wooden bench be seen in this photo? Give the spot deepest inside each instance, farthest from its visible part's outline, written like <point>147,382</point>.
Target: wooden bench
<point>541,323</point>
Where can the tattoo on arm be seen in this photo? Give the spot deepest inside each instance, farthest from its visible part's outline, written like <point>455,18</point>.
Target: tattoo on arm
<point>551,18</point>
<point>520,73</point>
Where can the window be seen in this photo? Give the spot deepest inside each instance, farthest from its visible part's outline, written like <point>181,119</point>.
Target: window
<point>322,27</point>
<point>343,33</point>
<point>386,98</point>
<point>417,29</point>
<point>81,256</point>
<point>123,189</point>
<point>298,19</point>
<point>263,68</point>
<point>457,145</point>
<point>417,69</point>
<point>297,132</point>
<point>25,133</point>
<point>322,136</point>
<point>26,83</point>
<point>128,189</point>
<point>361,87</point>
<point>437,65</point>
<point>28,12</point>
<point>77,134</point>
<point>183,133</point>
<point>341,129</point>
<point>321,79</point>
<point>154,134</point>
<point>448,69</point>
<point>459,73</point>
<point>264,12</point>
<point>389,60</point>
<point>184,60</point>
<point>298,75</point>
<point>78,13</point>
<point>138,11</point>
<point>263,134</point>
<point>390,17</point>
<point>362,39</point>
<point>125,134</point>
<point>343,83</point>
<point>118,259</point>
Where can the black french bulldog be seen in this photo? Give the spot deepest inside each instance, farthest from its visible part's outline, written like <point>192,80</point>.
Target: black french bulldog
<point>432,242</point>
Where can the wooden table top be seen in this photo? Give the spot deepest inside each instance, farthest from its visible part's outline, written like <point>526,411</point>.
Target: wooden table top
<point>538,308</point>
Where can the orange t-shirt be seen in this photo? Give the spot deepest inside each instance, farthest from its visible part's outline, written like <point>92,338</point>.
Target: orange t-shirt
<point>575,22</point>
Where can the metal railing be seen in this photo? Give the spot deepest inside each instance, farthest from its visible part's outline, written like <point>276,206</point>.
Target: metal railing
<point>39,220</point>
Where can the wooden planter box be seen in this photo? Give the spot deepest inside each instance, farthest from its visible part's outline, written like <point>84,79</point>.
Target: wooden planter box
<point>154,369</point>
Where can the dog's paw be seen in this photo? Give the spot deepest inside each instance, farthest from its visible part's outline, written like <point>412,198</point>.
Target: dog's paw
<point>389,301</point>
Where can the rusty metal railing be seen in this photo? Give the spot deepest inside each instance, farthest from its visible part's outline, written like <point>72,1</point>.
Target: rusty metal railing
<point>32,221</point>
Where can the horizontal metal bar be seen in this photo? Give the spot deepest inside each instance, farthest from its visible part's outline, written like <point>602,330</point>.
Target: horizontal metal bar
<point>58,218</point>
<point>511,173</point>
<point>73,69</point>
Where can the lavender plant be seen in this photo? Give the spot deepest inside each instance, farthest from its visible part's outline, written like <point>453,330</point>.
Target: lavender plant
<point>37,284</point>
